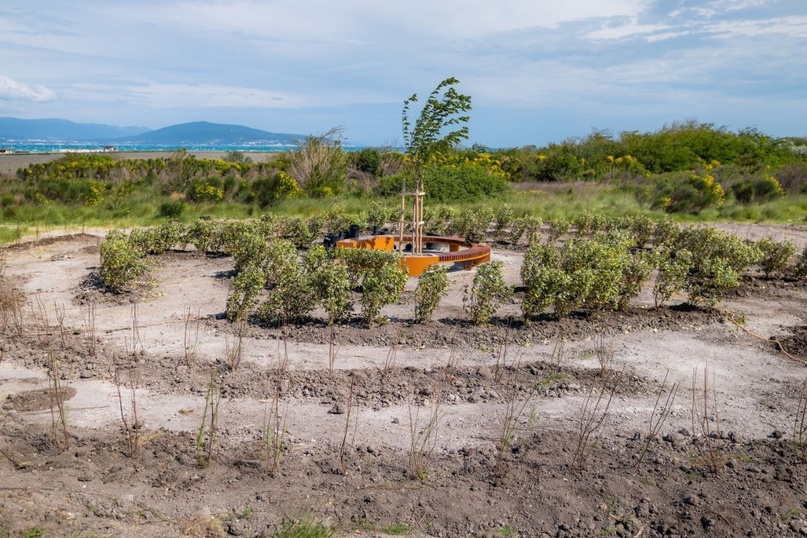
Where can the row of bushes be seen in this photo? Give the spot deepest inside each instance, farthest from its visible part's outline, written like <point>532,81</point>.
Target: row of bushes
<point>600,264</point>
<point>680,147</point>
<point>682,168</point>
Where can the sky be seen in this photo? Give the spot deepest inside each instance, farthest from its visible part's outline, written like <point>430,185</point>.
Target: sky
<point>537,71</point>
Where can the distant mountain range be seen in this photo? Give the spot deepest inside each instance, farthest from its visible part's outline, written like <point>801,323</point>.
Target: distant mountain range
<point>200,133</point>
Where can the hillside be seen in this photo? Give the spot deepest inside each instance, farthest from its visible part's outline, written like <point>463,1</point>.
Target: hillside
<point>206,133</point>
<point>200,133</point>
<point>53,129</point>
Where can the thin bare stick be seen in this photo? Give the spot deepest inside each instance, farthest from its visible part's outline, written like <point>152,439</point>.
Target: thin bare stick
<point>501,354</point>
<point>233,353</point>
<point>283,354</point>
<point>711,454</point>
<point>592,418</point>
<point>274,426</point>
<point>333,349</point>
<point>131,428</point>
<point>59,432</point>
<point>348,413</point>
<point>558,356</point>
<point>389,362</point>
<point>453,362</point>
<point>89,328</point>
<point>208,427</point>
<point>779,345</point>
<point>513,411</point>
<point>656,423</point>
<point>135,328</point>
<point>191,335</point>
<point>59,310</point>
<point>423,440</point>
<point>604,353</point>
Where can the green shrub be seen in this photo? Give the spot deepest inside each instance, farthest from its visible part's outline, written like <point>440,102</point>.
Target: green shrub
<point>584,224</point>
<point>437,219</point>
<point>634,274</point>
<point>267,191</point>
<point>380,288</point>
<point>204,235</point>
<point>329,280</point>
<point>487,292</point>
<point>665,231</point>
<point>122,261</point>
<point>594,273</point>
<point>246,287</point>
<point>381,215</point>
<point>775,255</point>
<point>757,190</point>
<point>431,288</point>
<point>248,249</point>
<point>298,231</point>
<point>673,271</point>
<point>472,224</point>
<point>165,237</point>
<point>543,278</point>
<point>528,226</point>
<point>717,260</point>
<point>688,193</point>
<point>173,209</point>
<point>452,183</point>
<point>368,160</point>
<point>290,297</point>
<point>380,276</point>
<point>557,228</point>
<point>504,219</point>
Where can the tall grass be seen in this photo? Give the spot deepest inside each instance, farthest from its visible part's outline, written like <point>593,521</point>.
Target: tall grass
<point>561,200</point>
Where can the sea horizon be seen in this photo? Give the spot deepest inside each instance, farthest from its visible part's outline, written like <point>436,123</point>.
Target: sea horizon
<point>48,147</point>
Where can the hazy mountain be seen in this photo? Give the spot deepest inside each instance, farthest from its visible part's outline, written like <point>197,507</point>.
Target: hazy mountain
<point>62,130</point>
<point>206,133</point>
<point>200,133</point>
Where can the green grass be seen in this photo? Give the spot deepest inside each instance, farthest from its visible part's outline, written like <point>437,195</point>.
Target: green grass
<point>10,233</point>
<point>546,200</point>
<point>507,532</point>
<point>397,529</point>
<point>303,528</point>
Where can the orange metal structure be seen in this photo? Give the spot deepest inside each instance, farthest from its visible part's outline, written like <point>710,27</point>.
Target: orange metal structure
<point>459,250</point>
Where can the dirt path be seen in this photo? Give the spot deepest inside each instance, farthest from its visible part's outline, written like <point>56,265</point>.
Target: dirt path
<point>748,477</point>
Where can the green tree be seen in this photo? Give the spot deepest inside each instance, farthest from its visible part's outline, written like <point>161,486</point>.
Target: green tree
<point>444,109</point>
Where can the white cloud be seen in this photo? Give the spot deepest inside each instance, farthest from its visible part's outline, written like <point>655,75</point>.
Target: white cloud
<point>780,26</point>
<point>357,21</point>
<point>626,30</point>
<point>212,95</point>
<point>150,60</point>
<point>13,90</point>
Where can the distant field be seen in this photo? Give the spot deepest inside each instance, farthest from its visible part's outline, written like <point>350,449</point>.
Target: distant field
<point>9,164</point>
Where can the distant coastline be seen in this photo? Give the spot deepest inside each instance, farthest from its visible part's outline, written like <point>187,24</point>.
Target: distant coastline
<point>11,162</point>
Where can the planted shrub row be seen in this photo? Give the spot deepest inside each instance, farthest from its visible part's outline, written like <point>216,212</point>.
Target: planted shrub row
<point>590,264</point>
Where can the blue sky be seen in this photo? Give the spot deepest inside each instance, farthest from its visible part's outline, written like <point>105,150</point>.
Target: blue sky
<point>537,71</point>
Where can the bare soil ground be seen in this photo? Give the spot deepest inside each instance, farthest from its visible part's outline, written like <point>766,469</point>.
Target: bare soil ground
<point>731,468</point>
